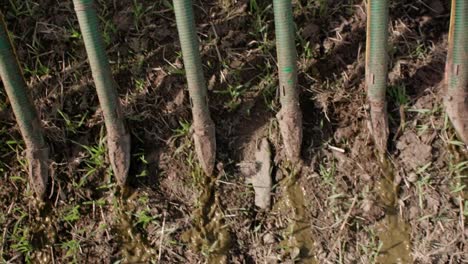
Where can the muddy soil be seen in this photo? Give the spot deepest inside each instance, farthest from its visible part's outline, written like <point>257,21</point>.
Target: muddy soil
<point>342,204</point>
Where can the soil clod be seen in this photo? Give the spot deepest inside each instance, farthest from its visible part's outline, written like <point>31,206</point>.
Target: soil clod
<point>413,152</point>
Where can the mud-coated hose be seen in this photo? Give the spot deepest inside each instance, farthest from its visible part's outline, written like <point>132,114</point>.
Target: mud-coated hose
<point>117,135</point>
<point>203,126</point>
<point>24,110</point>
<point>290,116</point>
<point>376,70</point>
<point>456,68</point>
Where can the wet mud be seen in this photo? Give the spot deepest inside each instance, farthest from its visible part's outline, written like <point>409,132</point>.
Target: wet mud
<point>43,234</point>
<point>134,247</point>
<point>392,231</point>
<point>298,242</point>
<point>209,234</point>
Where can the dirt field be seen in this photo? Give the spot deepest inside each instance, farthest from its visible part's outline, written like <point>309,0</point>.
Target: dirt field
<point>343,205</point>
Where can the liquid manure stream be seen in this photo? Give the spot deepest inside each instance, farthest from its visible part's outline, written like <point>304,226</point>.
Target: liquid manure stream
<point>392,231</point>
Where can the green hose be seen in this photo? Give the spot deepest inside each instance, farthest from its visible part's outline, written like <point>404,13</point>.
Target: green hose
<point>203,126</point>
<point>377,69</point>
<point>99,62</point>
<point>191,55</point>
<point>290,116</point>
<point>286,51</point>
<point>456,93</point>
<point>17,91</point>
<point>377,58</point>
<point>458,46</point>
<point>117,136</point>
<point>24,110</point>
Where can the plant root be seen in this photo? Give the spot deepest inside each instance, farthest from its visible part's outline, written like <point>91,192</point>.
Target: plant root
<point>119,155</point>
<point>38,169</point>
<point>456,106</point>
<point>290,123</point>
<point>379,124</point>
<point>205,144</point>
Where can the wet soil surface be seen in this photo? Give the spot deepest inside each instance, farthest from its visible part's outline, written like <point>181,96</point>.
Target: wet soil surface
<point>344,204</point>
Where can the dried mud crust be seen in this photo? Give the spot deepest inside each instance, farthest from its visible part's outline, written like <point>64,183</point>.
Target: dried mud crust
<point>259,175</point>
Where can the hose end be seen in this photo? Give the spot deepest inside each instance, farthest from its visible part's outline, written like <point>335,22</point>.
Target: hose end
<point>205,145</point>
<point>119,155</point>
<point>379,124</point>
<point>290,124</point>
<point>456,106</point>
<point>38,169</point>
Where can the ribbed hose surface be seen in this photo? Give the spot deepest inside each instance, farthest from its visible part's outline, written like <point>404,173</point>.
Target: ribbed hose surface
<point>17,92</point>
<point>203,127</point>
<point>102,75</point>
<point>286,51</point>
<point>458,46</point>
<point>191,55</point>
<point>377,39</point>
